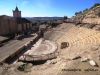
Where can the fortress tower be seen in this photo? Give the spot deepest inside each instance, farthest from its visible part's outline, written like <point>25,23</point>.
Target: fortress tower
<point>16,13</point>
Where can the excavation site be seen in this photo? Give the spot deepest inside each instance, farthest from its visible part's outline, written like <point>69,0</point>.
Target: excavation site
<point>61,46</point>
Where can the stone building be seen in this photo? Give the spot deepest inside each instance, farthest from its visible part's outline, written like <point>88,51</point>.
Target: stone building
<point>16,24</point>
<point>16,13</point>
<point>8,25</point>
<point>23,25</point>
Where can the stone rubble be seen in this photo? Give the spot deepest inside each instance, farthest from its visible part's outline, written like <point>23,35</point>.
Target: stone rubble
<point>92,63</point>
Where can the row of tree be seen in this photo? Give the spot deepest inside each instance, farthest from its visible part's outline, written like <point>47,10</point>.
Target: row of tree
<point>84,11</point>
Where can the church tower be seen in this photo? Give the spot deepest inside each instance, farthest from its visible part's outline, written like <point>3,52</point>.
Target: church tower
<point>16,13</point>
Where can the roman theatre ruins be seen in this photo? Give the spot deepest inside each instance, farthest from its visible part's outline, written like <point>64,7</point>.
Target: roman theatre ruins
<point>42,50</point>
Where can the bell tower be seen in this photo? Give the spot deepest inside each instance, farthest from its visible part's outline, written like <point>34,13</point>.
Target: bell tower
<point>16,13</point>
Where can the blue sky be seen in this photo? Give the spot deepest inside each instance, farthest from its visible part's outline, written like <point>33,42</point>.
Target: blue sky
<point>41,8</point>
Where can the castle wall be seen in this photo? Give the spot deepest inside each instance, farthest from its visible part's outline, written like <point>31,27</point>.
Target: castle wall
<point>9,25</point>
<point>12,25</point>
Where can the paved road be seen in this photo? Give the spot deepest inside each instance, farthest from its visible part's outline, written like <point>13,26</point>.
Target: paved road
<point>13,46</point>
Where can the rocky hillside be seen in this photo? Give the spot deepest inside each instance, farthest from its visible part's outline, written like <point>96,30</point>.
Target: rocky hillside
<point>91,15</point>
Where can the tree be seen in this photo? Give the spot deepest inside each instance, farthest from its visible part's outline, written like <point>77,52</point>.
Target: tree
<point>85,10</point>
<point>77,13</point>
<point>95,5</point>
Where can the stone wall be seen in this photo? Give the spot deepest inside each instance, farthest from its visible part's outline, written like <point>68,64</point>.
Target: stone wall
<point>9,25</point>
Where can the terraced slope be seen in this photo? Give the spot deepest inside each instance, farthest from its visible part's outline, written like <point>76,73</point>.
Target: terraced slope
<point>81,35</point>
<point>57,32</point>
<point>80,39</point>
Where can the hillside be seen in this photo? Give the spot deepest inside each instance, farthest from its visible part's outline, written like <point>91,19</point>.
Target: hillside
<point>91,15</point>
